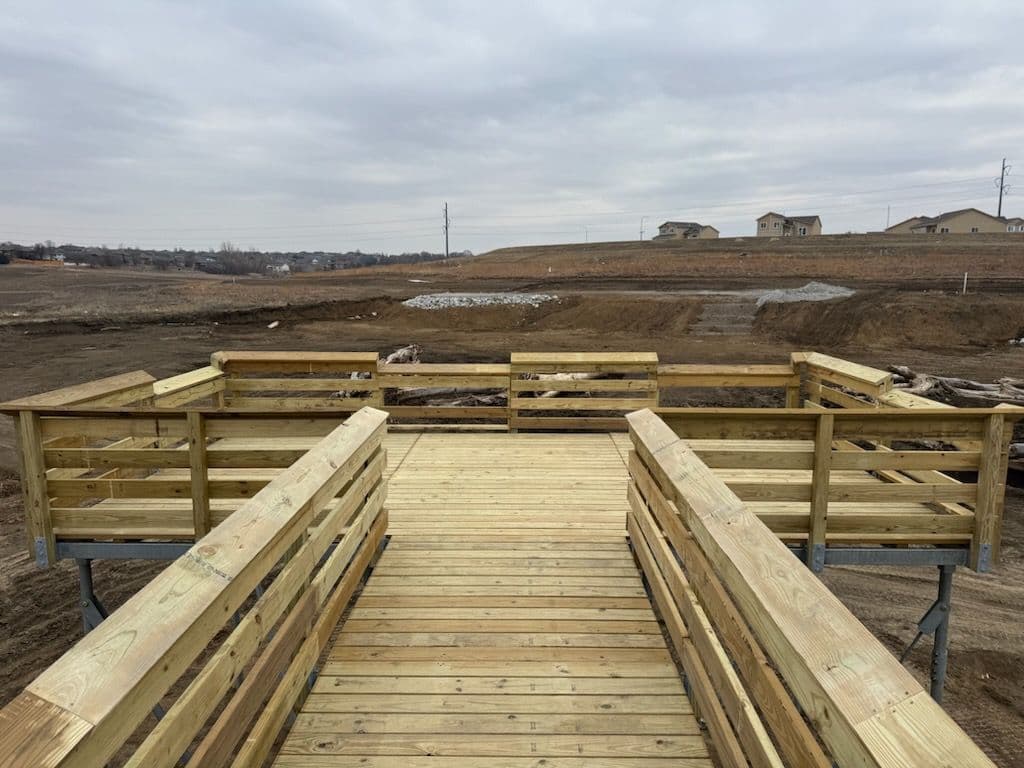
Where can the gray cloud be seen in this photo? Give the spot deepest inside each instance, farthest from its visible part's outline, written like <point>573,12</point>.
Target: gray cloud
<point>289,125</point>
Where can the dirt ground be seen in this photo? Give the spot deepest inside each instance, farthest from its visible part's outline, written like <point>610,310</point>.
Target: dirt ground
<point>62,326</point>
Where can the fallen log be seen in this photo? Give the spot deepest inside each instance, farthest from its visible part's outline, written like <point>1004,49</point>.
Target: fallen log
<point>957,391</point>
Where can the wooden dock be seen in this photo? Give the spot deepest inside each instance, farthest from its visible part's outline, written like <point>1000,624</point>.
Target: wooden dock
<point>506,622</point>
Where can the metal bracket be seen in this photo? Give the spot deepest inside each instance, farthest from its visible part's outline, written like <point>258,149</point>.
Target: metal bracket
<point>818,558</point>
<point>93,612</point>
<point>936,622</point>
<point>42,560</point>
<point>984,558</point>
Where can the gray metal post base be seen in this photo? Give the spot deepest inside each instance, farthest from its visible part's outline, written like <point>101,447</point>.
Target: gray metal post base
<point>936,622</point>
<point>92,609</point>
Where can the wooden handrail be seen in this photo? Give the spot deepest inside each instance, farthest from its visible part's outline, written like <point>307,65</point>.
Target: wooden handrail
<point>81,709</point>
<point>869,710</point>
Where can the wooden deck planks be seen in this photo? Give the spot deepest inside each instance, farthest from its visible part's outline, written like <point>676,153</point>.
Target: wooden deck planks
<point>504,625</point>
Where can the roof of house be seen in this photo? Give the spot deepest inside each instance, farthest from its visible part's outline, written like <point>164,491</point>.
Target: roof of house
<point>686,225</point>
<point>931,221</point>
<point>912,219</point>
<point>798,219</point>
<point>1014,220</point>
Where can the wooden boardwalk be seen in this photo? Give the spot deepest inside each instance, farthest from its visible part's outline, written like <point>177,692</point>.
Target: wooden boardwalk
<point>506,623</point>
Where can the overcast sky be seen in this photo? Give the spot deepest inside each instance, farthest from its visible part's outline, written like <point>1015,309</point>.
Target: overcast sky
<point>336,125</point>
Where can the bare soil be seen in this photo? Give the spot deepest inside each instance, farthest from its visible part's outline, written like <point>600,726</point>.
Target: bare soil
<point>59,327</point>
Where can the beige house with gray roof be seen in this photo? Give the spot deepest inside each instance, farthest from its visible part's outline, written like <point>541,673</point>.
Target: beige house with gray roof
<point>963,222</point>
<point>777,225</point>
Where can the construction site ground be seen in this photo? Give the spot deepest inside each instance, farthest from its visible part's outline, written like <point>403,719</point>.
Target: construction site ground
<point>65,325</point>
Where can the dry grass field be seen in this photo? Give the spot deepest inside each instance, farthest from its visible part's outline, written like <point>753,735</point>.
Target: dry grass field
<point>690,302</point>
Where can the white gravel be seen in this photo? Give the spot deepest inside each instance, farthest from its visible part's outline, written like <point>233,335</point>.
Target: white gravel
<point>453,300</point>
<point>813,291</point>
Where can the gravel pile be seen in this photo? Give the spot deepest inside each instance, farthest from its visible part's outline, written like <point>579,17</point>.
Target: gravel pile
<point>453,300</point>
<point>811,292</point>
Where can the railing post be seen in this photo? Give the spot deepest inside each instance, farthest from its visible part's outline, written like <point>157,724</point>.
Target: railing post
<point>793,388</point>
<point>509,414</point>
<point>42,543</point>
<point>376,398</point>
<point>986,511</point>
<point>199,474</point>
<point>819,491</point>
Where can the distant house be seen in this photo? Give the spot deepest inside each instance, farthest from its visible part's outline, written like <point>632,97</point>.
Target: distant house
<point>1016,224</point>
<point>962,222</point>
<point>686,230</point>
<point>776,225</point>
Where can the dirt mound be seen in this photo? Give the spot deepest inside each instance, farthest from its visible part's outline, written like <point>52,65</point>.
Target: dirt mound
<point>928,320</point>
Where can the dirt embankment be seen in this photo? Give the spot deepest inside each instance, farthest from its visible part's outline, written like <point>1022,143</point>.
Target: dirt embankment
<point>930,320</point>
<point>861,259</point>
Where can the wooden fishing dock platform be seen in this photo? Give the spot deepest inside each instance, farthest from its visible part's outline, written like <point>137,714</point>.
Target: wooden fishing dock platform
<point>603,583</point>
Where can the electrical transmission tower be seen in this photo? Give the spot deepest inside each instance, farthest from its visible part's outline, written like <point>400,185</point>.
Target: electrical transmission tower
<point>1002,186</point>
<point>447,224</point>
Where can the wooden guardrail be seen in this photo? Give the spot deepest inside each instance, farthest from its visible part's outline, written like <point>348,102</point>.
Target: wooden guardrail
<point>773,659</point>
<point>161,475</point>
<point>806,476</point>
<point>536,374</point>
<point>272,566</point>
<point>557,387</point>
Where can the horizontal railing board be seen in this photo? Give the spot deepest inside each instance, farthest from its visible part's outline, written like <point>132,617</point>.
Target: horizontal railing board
<point>444,369</point>
<point>300,385</point>
<point>189,380</point>
<point>461,381</point>
<point>579,403</point>
<point>727,376</point>
<point>80,393</point>
<point>584,385</point>
<point>294,362</point>
<point>292,404</point>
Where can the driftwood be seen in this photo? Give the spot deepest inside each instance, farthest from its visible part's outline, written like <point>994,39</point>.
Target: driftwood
<point>956,391</point>
<point>409,354</point>
<point>447,396</point>
<point>962,393</point>
<point>563,377</point>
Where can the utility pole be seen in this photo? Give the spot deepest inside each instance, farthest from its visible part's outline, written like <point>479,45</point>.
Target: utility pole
<point>447,223</point>
<point>642,220</point>
<point>1001,184</point>
<point>586,234</point>
<point>888,210</point>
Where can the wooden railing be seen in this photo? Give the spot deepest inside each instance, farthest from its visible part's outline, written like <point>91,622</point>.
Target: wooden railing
<point>130,458</point>
<point>165,475</point>
<point>808,477</point>
<point>773,659</point>
<point>632,384</point>
<point>272,567</point>
<point>785,377</point>
<point>543,390</point>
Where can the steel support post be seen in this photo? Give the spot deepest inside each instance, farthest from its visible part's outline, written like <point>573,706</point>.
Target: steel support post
<point>92,609</point>
<point>935,622</point>
<point>940,647</point>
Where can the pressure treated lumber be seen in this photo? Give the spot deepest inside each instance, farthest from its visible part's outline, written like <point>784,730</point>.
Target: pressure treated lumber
<point>114,676</point>
<point>869,708</point>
